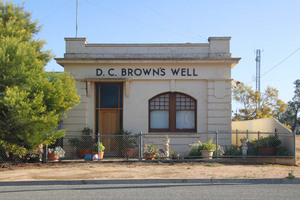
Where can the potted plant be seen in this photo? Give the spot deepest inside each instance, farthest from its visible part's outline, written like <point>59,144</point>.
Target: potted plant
<point>267,145</point>
<point>127,143</point>
<point>195,150</point>
<point>207,149</point>
<point>75,143</point>
<point>150,151</point>
<point>99,147</point>
<point>86,142</point>
<point>56,153</point>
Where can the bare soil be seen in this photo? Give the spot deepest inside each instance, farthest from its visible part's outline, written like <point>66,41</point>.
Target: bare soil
<point>138,170</point>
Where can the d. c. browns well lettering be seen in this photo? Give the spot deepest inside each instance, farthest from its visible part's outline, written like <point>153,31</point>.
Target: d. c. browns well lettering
<point>151,72</point>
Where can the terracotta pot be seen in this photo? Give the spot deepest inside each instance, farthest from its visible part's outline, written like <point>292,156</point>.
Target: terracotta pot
<point>266,151</point>
<point>100,155</point>
<point>149,156</point>
<point>207,154</point>
<point>52,157</point>
<point>128,152</point>
<point>85,151</point>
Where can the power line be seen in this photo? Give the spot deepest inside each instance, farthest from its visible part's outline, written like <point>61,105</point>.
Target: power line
<point>281,62</point>
<point>277,64</point>
<point>171,20</point>
<point>137,20</point>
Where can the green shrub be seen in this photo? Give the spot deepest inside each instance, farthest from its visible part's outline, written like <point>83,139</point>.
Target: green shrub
<point>195,151</point>
<point>233,151</point>
<point>270,141</point>
<point>208,146</point>
<point>281,151</point>
<point>101,147</point>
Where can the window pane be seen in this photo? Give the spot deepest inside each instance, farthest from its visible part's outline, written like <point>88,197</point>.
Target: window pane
<point>109,94</point>
<point>185,119</point>
<point>159,119</point>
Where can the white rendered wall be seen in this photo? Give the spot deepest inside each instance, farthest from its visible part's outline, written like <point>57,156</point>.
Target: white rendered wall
<point>204,73</point>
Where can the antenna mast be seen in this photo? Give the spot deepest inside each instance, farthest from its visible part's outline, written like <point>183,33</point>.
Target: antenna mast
<point>76,18</point>
<point>258,59</point>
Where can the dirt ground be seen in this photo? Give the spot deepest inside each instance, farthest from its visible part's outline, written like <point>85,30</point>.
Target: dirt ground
<point>138,170</point>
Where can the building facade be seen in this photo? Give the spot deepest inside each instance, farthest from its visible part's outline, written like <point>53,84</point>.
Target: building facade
<point>150,88</point>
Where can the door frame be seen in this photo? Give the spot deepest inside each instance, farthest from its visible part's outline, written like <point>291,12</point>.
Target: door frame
<point>98,104</point>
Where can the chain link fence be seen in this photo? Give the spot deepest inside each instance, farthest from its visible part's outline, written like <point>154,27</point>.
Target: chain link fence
<point>224,145</point>
<point>150,146</point>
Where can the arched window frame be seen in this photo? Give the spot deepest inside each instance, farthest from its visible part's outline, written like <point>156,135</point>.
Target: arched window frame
<point>169,102</point>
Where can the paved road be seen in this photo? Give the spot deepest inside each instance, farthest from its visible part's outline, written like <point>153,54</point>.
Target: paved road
<point>153,189</point>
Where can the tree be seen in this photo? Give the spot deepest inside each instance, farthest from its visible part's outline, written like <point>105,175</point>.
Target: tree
<point>290,116</point>
<point>32,101</point>
<point>256,105</point>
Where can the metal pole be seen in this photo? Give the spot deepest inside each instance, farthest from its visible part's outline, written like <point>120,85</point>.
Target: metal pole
<point>140,146</point>
<point>236,137</point>
<point>98,146</point>
<point>295,150</point>
<point>217,153</point>
<point>76,18</point>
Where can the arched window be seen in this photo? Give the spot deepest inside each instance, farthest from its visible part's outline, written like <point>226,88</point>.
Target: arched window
<point>172,112</point>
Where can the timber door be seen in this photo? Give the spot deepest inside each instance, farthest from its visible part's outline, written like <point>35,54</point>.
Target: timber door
<point>109,107</point>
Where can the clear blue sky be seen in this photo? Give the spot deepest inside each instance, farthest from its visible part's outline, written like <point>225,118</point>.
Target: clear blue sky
<point>270,25</point>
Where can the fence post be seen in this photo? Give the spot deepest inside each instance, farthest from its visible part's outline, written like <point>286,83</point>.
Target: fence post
<point>276,131</point>
<point>140,146</point>
<point>98,138</point>
<point>258,132</point>
<point>217,142</point>
<point>236,137</point>
<point>295,150</point>
<point>247,133</point>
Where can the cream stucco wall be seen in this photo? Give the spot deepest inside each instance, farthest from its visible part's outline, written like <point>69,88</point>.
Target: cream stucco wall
<point>266,125</point>
<point>202,71</point>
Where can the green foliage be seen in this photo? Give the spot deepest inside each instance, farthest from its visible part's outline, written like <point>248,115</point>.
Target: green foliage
<point>74,142</point>
<point>291,176</point>
<point>281,151</point>
<point>127,139</point>
<point>270,141</point>
<point>288,116</point>
<point>195,152</point>
<point>172,153</point>
<point>101,147</point>
<point>150,149</point>
<point>32,102</point>
<point>197,147</point>
<point>291,116</point>
<point>232,150</point>
<point>208,145</point>
<point>86,140</point>
<point>270,105</point>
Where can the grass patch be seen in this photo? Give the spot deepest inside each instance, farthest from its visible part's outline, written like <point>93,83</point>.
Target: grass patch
<point>291,176</point>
